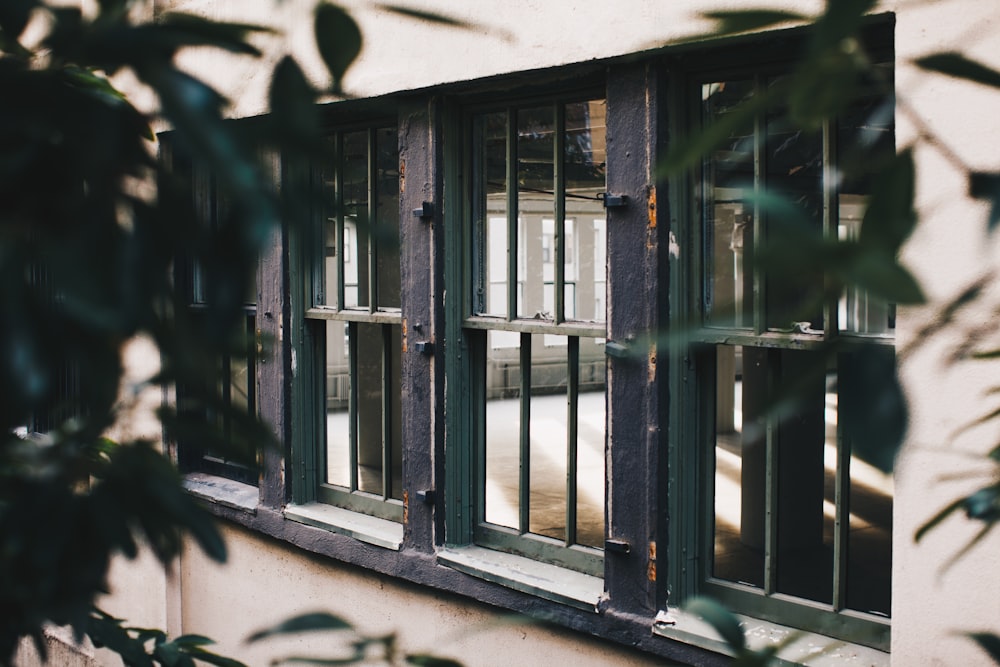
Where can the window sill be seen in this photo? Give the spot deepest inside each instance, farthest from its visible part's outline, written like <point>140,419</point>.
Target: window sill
<point>543,580</point>
<point>222,491</point>
<point>364,528</point>
<point>809,649</point>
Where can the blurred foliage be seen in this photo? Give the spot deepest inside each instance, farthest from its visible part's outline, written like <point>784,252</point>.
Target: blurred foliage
<point>91,222</point>
<point>357,648</point>
<point>824,82</point>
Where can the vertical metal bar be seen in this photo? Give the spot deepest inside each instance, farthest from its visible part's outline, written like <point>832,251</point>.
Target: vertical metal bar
<point>352,410</point>
<point>841,521</point>
<point>771,490</point>
<point>524,486</point>
<point>572,409</point>
<point>559,189</point>
<point>512,213</point>
<point>372,223</point>
<point>387,371</point>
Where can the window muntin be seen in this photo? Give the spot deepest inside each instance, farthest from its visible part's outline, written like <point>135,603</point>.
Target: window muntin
<point>537,342</point>
<point>356,325</point>
<point>793,515</point>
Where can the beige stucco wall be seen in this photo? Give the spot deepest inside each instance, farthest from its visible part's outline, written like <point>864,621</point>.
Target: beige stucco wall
<point>264,582</point>
<point>936,598</point>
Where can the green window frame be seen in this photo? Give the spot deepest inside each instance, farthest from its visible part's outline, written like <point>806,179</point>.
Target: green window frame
<point>353,325</point>
<point>532,331</point>
<point>810,544</point>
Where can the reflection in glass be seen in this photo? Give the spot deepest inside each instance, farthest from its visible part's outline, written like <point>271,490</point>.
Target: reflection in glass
<point>558,218</point>
<point>491,145</point>
<point>354,165</point>
<point>793,168</point>
<point>728,177</point>
<point>585,262</point>
<point>864,130</point>
<point>387,217</point>
<point>535,204</point>
<point>328,193</point>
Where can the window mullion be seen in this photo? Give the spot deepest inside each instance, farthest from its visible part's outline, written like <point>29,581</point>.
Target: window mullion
<point>524,485</point>
<point>559,188</point>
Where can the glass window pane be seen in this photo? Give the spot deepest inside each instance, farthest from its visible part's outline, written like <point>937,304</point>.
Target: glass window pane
<point>387,217</point>
<point>548,433</point>
<point>591,430</point>
<point>354,164</point>
<point>739,431</point>
<point>585,158</point>
<point>503,428</point>
<point>337,383</point>
<point>535,205</point>
<point>491,243</point>
<point>728,226</point>
<point>328,194</point>
<point>373,375</point>
<point>804,469</point>
<point>793,169</point>
<point>864,132</point>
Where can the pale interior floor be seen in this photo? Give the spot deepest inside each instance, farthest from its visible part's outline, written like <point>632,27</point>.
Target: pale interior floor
<point>808,572</point>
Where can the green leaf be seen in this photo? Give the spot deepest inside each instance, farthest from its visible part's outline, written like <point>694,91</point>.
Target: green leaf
<point>873,408</point>
<point>720,618</point>
<point>957,65</point>
<point>293,105</point>
<point>689,150</point>
<point>890,216</point>
<point>730,22</point>
<point>935,520</point>
<point>984,504</point>
<point>987,186</point>
<point>420,15</point>
<point>192,30</point>
<point>988,642</point>
<point>338,39</point>
<point>304,623</point>
<point>14,15</point>
<point>425,660</point>
<point>881,276</point>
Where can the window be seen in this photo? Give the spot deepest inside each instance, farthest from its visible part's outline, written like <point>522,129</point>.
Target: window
<point>534,326</point>
<point>795,528</point>
<point>354,325</point>
<point>229,384</point>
